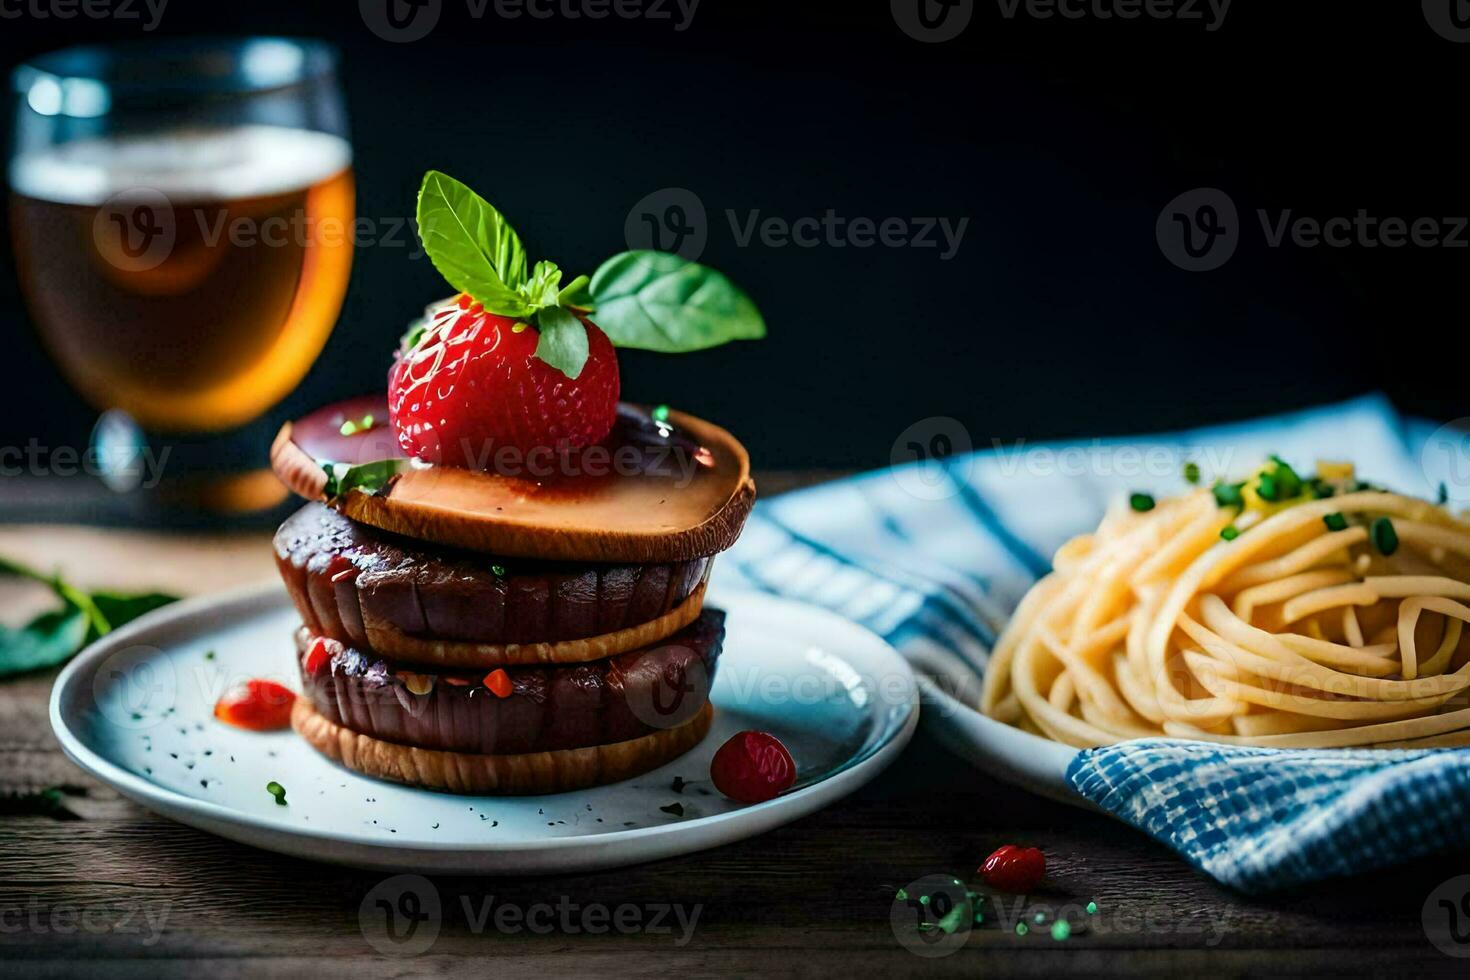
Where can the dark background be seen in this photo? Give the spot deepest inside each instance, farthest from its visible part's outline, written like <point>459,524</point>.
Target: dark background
<point>1060,140</point>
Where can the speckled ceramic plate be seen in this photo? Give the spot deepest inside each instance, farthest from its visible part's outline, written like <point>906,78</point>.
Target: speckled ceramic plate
<point>136,711</point>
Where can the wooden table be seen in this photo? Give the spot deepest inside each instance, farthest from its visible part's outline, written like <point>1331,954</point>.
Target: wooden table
<point>101,879</point>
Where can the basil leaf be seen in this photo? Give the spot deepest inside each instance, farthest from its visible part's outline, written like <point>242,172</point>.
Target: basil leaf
<point>661,302</point>
<point>576,295</point>
<point>563,342</point>
<point>45,641</point>
<point>472,245</point>
<point>541,291</point>
<point>368,477</point>
<point>119,609</point>
<point>53,637</point>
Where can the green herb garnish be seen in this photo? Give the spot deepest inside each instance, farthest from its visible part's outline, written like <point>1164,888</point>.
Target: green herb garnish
<point>1228,494</point>
<point>1288,483</point>
<point>1230,532</point>
<point>1141,502</point>
<point>278,791</point>
<point>367,477</point>
<point>644,299</point>
<point>1191,473</point>
<point>353,426</point>
<point>1444,494</point>
<point>1384,537</point>
<point>1335,522</point>
<point>674,809</point>
<point>55,636</point>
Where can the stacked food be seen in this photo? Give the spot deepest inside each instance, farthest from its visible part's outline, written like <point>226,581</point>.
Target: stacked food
<point>501,575</point>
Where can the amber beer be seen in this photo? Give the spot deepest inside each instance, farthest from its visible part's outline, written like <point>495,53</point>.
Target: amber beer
<point>189,278</point>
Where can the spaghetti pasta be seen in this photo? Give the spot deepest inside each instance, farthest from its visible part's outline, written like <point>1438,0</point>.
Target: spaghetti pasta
<point>1277,612</point>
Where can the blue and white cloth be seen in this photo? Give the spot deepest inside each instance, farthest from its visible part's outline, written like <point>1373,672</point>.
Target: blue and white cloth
<point>933,556</point>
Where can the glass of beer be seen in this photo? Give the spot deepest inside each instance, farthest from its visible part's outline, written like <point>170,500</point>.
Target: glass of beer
<point>182,214</point>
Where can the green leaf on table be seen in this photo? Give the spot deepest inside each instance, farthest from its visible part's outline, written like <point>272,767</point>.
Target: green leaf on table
<point>55,636</point>
<point>49,639</point>
<point>662,302</point>
<point>563,342</point>
<point>472,245</point>
<point>120,609</point>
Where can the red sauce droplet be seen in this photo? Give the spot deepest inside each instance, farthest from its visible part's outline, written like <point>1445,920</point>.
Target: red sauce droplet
<point>1014,869</point>
<point>752,767</point>
<point>260,706</point>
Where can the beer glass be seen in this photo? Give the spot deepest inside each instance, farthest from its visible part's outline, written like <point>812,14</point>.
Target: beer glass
<point>182,217</point>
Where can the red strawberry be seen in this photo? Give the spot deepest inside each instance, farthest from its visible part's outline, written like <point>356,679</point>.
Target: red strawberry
<point>474,385</point>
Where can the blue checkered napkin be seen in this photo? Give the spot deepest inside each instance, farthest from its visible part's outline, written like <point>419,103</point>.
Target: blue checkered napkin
<point>1261,819</point>
<point>933,558</point>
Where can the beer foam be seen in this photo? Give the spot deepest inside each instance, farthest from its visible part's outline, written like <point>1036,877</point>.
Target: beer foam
<point>185,165</point>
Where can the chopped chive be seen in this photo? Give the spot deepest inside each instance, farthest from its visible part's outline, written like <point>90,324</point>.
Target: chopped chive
<point>1141,502</point>
<point>278,791</point>
<point>1385,538</point>
<point>1267,488</point>
<point>1444,494</point>
<point>1191,473</point>
<point>1230,532</point>
<point>1320,488</point>
<point>498,571</point>
<point>1335,522</point>
<point>1228,494</point>
<point>1287,481</point>
<point>661,413</point>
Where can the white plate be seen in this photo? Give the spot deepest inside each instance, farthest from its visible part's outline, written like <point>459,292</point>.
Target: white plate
<point>135,710</point>
<point>1003,751</point>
